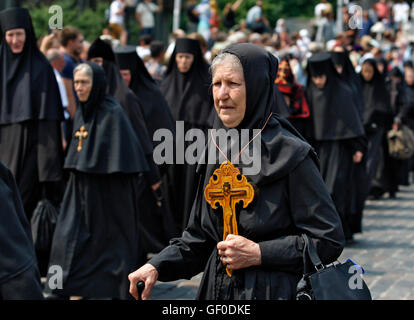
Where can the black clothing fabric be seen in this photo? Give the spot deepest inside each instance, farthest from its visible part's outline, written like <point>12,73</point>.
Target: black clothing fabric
<point>27,72</point>
<point>229,19</point>
<point>96,240</point>
<point>334,116</point>
<point>337,132</point>
<point>291,199</point>
<point>155,109</point>
<point>158,220</point>
<point>30,113</point>
<point>377,108</point>
<point>350,77</point>
<point>117,88</point>
<point>187,94</point>
<point>19,276</point>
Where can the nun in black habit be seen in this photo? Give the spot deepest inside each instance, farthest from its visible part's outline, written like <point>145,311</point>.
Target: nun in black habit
<point>30,113</point>
<point>378,119</point>
<point>19,275</point>
<point>338,133</point>
<point>96,240</point>
<point>291,199</point>
<point>157,226</point>
<point>187,94</point>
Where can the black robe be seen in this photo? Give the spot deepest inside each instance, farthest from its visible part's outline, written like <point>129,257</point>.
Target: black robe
<point>19,275</point>
<point>187,95</point>
<point>157,225</point>
<point>378,118</point>
<point>291,199</point>
<point>96,240</point>
<point>159,221</point>
<point>337,131</point>
<point>30,115</point>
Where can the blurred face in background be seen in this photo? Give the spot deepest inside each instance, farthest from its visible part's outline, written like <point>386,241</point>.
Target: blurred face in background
<point>409,76</point>
<point>16,39</point>
<point>367,72</point>
<point>320,81</point>
<point>184,61</point>
<point>126,75</point>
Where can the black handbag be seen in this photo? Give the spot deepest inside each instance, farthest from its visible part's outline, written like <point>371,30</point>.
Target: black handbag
<point>43,225</point>
<point>336,281</point>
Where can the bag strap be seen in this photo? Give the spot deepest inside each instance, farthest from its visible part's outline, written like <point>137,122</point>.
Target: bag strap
<point>310,250</point>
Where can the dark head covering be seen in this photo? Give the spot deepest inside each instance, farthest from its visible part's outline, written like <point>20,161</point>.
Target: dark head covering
<point>334,109</point>
<point>377,108</point>
<point>282,147</point>
<point>112,145</point>
<point>101,49</point>
<point>28,87</point>
<point>285,81</point>
<point>187,94</point>
<point>350,77</point>
<point>156,111</point>
<point>117,88</point>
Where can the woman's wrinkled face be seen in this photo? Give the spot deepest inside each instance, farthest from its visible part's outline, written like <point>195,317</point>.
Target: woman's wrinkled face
<point>184,61</point>
<point>126,75</point>
<point>319,81</point>
<point>229,93</point>
<point>83,85</point>
<point>16,39</point>
<point>367,72</point>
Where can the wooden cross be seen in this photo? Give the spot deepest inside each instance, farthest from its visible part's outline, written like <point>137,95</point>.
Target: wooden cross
<point>226,188</point>
<point>81,135</point>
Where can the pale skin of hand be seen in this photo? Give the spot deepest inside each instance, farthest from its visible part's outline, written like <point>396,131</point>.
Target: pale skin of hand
<point>148,274</point>
<point>237,252</point>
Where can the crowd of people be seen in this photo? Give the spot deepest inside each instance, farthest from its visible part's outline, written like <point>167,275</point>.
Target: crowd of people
<point>77,122</point>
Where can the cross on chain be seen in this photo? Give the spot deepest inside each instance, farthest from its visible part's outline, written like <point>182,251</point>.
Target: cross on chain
<point>226,188</point>
<point>81,135</point>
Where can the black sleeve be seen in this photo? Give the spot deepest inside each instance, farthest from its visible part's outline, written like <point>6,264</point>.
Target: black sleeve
<point>357,144</point>
<point>187,256</point>
<point>313,212</point>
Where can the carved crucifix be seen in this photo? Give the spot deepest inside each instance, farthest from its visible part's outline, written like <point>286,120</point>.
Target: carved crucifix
<point>226,188</point>
<point>81,135</point>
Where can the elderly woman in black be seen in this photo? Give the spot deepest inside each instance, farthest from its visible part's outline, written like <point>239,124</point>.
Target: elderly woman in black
<point>261,255</point>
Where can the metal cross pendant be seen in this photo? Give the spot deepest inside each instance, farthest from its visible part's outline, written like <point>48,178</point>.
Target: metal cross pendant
<point>226,188</point>
<point>81,135</point>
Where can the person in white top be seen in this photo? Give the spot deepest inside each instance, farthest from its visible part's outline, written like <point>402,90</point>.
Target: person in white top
<point>145,15</point>
<point>401,12</point>
<point>116,20</point>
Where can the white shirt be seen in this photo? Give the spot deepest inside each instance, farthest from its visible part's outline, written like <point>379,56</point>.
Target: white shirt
<point>318,9</point>
<point>253,14</point>
<point>114,9</point>
<point>401,12</point>
<point>146,11</point>
<point>62,90</point>
<point>143,52</point>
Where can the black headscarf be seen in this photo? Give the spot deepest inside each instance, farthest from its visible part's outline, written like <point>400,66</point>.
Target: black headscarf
<point>28,87</point>
<point>117,88</point>
<point>377,108</point>
<point>156,111</point>
<point>350,77</point>
<point>282,147</point>
<point>112,145</point>
<point>187,94</point>
<point>333,109</point>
